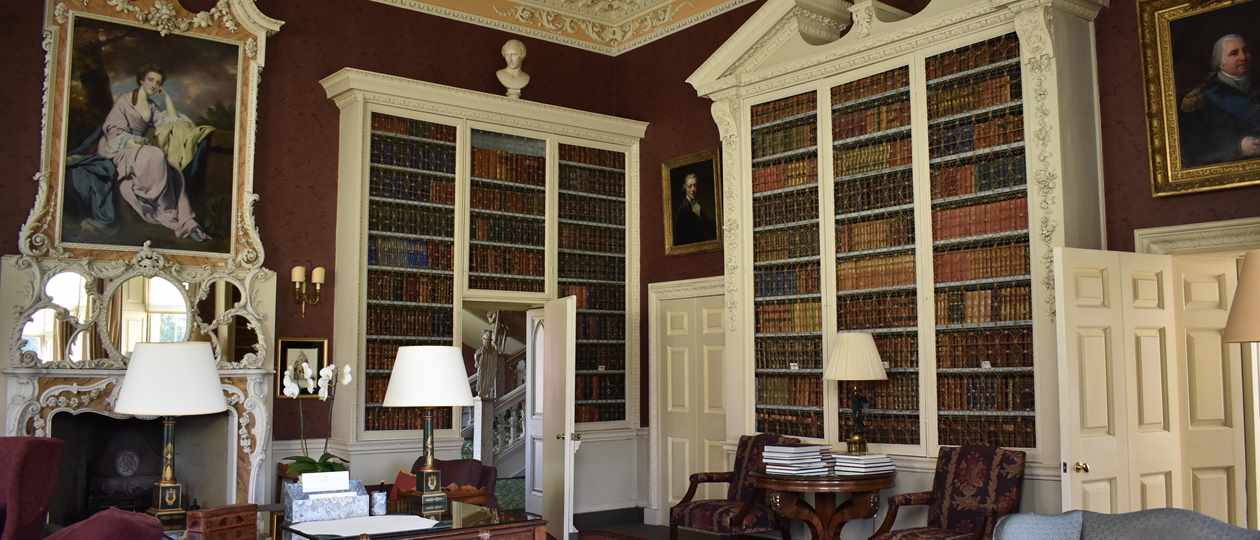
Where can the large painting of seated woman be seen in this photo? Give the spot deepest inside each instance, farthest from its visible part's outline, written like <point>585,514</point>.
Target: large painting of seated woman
<point>150,133</point>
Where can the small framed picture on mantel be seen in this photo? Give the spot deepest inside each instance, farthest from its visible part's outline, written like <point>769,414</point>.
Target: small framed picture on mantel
<point>692,189</point>
<point>291,353</point>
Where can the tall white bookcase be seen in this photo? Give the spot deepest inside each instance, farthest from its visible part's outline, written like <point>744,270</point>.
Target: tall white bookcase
<point>447,196</point>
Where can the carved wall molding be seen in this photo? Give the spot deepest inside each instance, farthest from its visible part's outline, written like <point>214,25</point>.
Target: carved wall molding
<point>1234,235</point>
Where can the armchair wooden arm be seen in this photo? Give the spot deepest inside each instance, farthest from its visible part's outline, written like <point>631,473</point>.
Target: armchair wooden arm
<point>705,478</point>
<point>896,502</point>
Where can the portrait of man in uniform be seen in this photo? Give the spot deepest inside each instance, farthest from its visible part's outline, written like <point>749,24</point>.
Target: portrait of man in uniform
<point>1220,117</point>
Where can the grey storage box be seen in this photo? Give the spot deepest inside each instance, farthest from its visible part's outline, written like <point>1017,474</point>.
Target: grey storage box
<point>301,506</point>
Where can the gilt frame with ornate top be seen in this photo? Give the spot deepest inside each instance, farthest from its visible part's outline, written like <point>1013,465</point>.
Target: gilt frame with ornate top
<point>1201,136</point>
<point>104,184</point>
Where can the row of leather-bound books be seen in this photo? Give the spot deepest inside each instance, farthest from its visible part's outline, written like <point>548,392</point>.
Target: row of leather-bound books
<point>996,348</point>
<point>804,390</point>
<point>897,350</point>
<point>597,181</point>
<point>595,356</point>
<point>976,133</point>
<point>788,353</point>
<point>872,157</point>
<point>1006,431</point>
<point>786,280</point>
<point>397,418</point>
<point>973,56</point>
<point>784,173</point>
<point>875,271</point>
<point>592,156</point>
<point>783,108</point>
<point>590,238</point>
<point>980,219</point>
<point>380,353</point>
<point>897,230</point>
<point>990,261</point>
<point>411,186</point>
<point>884,429</point>
<point>600,412</point>
<point>592,209</point>
<point>582,265</point>
<point>406,219</point>
<point>409,321</point>
<point>880,117</point>
<point>965,179</point>
<point>798,423</point>
<point>504,283</point>
<point>994,89</point>
<point>787,317</point>
<point>788,243</point>
<point>785,208</point>
<point>410,253</point>
<point>412,128</point>
<point>995,304</point>
<point>900,392</point>
<point>509,230</point>
<point>880,191</point>
<point>985,392</point>
<point>409,287</point>
<point>509,167</point>
<point>784,138</point>
<point>601,386</point>
<point>596,295</point>
<point>882,310</point>
<point>411,154</point>
<point>506,260</point>
<point>601,326</point>
<point>501,199</point>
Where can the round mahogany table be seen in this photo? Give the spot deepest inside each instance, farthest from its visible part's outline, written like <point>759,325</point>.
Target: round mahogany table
<point>783,494</point>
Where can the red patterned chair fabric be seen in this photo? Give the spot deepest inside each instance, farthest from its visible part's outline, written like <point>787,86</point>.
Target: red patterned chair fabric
<point>742,511</point>
<point>26,464</point>
<point>973,488</point>
<point>112,524</point>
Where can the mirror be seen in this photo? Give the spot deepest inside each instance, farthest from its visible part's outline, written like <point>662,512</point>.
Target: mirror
<point>53,336</point>
<point>145,309</point>
<point>232,338</point>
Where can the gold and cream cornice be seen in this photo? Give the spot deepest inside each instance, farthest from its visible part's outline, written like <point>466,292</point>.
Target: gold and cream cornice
<point>604,26</point>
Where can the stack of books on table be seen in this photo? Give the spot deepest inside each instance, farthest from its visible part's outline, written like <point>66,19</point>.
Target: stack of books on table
<point>798,459</point>
<point>850,464</point>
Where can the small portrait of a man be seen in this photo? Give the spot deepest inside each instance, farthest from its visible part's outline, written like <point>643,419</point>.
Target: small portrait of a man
<point>691,189</point>
<point>1220,117</point>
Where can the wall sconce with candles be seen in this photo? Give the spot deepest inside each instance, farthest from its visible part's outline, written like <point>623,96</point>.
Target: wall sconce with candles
<point>301,294</point>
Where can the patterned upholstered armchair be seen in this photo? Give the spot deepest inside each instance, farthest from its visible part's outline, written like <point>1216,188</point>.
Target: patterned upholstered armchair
<point>974,486</point>
<point>743,511</point>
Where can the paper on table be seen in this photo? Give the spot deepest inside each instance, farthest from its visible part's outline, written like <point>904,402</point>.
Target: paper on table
<point>365,525</point>
<point>325,481</point>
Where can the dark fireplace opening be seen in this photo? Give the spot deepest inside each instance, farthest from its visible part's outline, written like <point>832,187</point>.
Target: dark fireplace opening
<point>114,462</point>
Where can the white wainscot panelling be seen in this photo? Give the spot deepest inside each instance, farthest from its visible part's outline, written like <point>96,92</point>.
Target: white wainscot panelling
<point>606,473</point>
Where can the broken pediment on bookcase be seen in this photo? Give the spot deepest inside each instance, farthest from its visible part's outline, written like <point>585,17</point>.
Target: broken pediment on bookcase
<point>774,45</point>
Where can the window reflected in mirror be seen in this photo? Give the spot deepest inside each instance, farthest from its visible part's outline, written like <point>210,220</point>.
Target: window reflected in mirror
<point>148,310</point>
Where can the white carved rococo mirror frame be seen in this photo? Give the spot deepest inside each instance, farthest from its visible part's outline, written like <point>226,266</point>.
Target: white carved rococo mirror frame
<point>44,255</point>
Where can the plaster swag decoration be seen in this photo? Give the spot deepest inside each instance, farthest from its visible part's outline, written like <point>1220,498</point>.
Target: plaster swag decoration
<point>165,18</point>
<point>822,21</point>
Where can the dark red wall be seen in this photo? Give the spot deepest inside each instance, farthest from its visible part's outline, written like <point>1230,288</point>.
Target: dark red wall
<point>1126,161</point>
<point>654,89</point>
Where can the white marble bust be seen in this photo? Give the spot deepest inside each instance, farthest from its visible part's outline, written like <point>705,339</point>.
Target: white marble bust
<point>511,77</point>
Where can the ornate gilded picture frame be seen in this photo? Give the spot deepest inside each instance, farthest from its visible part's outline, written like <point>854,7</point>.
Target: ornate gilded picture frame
<point>691,186</point>
<point>149,117</point>
<point>1202,125</point>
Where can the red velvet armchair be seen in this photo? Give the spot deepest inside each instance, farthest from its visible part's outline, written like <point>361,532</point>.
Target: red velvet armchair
<point>25,465</point>
<point>743,510</point>
<point>973,488</point>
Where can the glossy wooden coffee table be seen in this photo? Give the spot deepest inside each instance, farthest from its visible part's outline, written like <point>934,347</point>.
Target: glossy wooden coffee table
<point>825,519</point>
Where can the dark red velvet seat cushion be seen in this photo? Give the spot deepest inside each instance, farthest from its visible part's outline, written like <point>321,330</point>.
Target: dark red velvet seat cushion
<point>112,524</point>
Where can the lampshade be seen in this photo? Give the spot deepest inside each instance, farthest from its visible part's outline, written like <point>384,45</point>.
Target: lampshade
<point>428,376</point>
<point>1244,313</point>
<point>171,379</point>
<point>854,357</point>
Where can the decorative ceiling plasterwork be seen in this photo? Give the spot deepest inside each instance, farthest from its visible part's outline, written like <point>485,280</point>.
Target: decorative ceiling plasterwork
<point>604,26</point>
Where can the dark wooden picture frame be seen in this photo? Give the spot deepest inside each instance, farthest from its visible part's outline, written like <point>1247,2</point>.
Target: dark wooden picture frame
<point>290,351</point>
<point>696,226</point>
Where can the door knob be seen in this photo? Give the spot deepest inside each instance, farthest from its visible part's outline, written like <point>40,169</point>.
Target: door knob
<point>1081,467</point>
<point>577,436</point>
<point>559,436</point>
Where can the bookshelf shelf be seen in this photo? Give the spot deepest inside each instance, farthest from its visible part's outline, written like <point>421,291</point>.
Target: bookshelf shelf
<point>785,155</point>
<point>390,234</point>
<point>504,276</point>
<point>516,215</point>
<point>783,190</point>
<point>785,120</point>
<point>793,260</point>
<point>815,296</point>
<point>875,290</point>
<point>592,224</point>
<point>412,138</point>
<point>564,280</point>
<point>986,281</point>
<point>771,406</point>
<point>593,167</point>
<point>890,330</point>
<point>506,245</point>
<point>598,401</point>
<point>412,203</point>
<point>868,100</point>
<point>790,371</point>
<point>788,225</point>
<point>868,137</point>
<point>788,334</point>
<point>979,112</point>
<point>871,252</point>
<point>982,239</point>
<point>885,412</point>
<point>508,184</point>
<point>592,195</point>
<point>987,413</point>
<point>1012,62</point>
<point>999,193</point>
<point>982,325</point>
<point>410,270</point>
<point>408,338</point>
<point>972,154</point>
<point>985,371</point>
<point>594,253</point>
<point>885,171</point>
<point>402,303</point>
<point>401,168</point>
<point>600,371</point>
<point>874,212</point>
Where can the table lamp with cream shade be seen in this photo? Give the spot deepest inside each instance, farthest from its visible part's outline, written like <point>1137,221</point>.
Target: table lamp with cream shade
<point>1243,325</point>
<point>854,357</point>
<point>169,380</point>
<point>428,376</point>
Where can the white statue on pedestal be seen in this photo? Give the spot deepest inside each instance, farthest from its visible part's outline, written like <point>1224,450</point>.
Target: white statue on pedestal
<point>511,77</point>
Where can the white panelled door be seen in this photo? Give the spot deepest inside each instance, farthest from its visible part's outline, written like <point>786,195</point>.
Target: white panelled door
<point>535,331</point>
<point>692,411</point>
<point>1212,400</point>
<point>559,444</point>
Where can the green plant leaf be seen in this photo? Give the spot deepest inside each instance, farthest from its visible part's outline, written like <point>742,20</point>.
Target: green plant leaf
<point>302,467</point>
<point>327,458</point>
<point>301,459</point>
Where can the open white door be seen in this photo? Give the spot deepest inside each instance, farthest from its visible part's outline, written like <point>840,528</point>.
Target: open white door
<point>535,331</point>
<point>559,444</point>
<point>1118,381</point>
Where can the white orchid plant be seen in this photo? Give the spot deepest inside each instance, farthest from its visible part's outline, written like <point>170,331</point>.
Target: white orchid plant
<point>325,387</point>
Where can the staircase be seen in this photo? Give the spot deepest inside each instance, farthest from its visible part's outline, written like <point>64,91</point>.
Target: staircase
<point>503,444</point>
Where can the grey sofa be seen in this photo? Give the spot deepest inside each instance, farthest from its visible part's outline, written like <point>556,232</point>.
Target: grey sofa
<point>1160,524</point>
